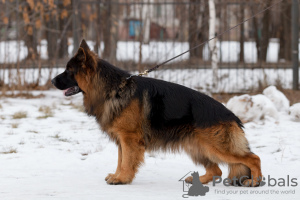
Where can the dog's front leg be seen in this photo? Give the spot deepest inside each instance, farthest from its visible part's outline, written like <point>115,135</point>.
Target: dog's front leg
<point>113,176</point>
<point>132,150</point>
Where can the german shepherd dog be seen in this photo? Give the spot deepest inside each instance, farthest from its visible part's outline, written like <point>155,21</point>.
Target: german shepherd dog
<point>144,114</point>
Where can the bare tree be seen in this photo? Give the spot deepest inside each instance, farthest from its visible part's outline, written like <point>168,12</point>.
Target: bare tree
<point>29,30</point>
<point>242,31</point>
<point>266,21</point>
<point>262,31</point>
<point>193,27</point>
<point>285,44</point>
<point>213,44</point>
<point>199,11</point>
<point>110,32</point>
<point>51,35</point>
<point>64,14</point>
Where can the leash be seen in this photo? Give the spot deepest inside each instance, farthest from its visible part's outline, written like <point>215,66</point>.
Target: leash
<point>218,35</point>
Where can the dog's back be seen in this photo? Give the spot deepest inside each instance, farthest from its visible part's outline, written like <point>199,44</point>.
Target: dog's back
<point>173,104</point>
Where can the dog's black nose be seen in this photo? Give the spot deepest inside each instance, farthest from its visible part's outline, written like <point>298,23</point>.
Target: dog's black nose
<point>53,81</point>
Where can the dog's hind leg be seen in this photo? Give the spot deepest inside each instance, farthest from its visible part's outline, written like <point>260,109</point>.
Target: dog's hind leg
<point>196,153</point>
<point>113,176</point>
<point>212,169</point>
<point>242,165</point>
<point>229,145</point>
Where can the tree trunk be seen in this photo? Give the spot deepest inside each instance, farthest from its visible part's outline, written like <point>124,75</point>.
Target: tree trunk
<point>213,44</point>
<point>98,28</point>
<point>193,28</point>
<point>114,33</point>
<point>265,32</point>
<point>107,30</point>
<point>257,36</point>
<point>181,13</point>
<point>204,29</point>
<point>242,31</point>
<point>63,46</point>
<point>51,37</point>
<point>30,32</point>
<point>285,44</point>
<point>31,45</point>
<point>110,32</point>
<point>146,23</point>
<point>262,36</point>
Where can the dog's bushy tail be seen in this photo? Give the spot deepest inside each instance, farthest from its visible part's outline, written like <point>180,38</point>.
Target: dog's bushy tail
<point>238,171</point>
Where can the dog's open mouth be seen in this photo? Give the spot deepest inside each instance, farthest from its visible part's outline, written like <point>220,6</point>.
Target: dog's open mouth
<point>72,90</point>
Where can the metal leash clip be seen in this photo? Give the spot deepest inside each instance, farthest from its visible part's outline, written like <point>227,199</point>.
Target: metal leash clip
<point>140,74</point>
<point>144,73</point>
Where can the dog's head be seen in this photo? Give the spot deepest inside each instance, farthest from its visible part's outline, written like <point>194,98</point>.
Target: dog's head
<point>78,72</point>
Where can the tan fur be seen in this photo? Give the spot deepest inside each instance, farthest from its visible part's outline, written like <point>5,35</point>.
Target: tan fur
<point>238,170</point>
<point>211,170</point>
<point>83,82</point>
<point>224,143</point>
<point>118,170</point>
<point>126,129</point>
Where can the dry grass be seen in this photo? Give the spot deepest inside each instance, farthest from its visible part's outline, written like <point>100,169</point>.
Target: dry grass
<point>20,115</point>
<point>25,95</point>
<point>56,136</point>
<point>47,112</point>
<point>1,106</point>
<point>63,140</point>
<point>60,139</point>
<point>292,95</point>
<point>9,151</point>
<point>32,131</point>
<point>14,125</point>
<point>78,107</point>
<point>21,142</point>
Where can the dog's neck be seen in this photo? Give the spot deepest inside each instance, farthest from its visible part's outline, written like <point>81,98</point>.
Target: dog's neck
<point>108,92</point>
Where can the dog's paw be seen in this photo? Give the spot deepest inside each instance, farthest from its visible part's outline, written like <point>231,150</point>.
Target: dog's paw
<point>118,180</point>
<point>189,180</point>
<point>250,183</point>
<point>109,176</point>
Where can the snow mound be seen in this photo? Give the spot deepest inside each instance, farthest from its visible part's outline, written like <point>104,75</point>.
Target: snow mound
<point>278,98</point>
<point>294,111</point>
<point>252,108</point>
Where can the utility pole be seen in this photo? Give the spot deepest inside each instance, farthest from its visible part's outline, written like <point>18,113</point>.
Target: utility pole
<point>295,44</point>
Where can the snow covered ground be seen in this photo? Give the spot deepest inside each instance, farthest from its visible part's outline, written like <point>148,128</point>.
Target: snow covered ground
<point>49,149</point>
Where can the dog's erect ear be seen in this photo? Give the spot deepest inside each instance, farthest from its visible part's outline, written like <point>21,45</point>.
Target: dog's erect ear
<point>83,51</point>
<point>81,54</point>
<point>86,56</point>
<point>84,45</point>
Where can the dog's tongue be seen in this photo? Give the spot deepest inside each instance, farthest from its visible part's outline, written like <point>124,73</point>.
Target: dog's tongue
<point>71,91</point>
